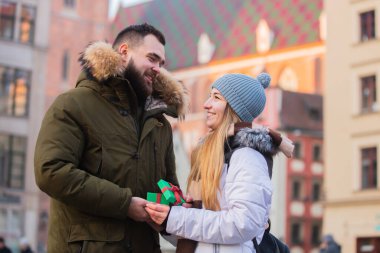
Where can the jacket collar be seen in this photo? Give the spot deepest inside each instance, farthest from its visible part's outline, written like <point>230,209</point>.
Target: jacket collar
<point>257,138</point>
<point>102,64</point>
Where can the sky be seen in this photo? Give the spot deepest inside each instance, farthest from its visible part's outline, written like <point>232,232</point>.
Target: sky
<point>114,4</point>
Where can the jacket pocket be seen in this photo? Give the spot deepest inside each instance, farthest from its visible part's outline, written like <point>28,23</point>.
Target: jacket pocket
<point>92,160</point>
<point>96,237</point>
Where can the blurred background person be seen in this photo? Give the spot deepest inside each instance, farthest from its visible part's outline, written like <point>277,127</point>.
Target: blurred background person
<point>329,245</point>
<point>3,247</point>
<point>25,246</point>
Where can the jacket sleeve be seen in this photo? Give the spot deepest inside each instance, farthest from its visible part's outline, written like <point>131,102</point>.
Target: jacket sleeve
<point>248,194</point>
<point>57,156</point>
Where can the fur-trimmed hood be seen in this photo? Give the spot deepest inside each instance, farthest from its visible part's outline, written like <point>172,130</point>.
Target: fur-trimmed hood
<point>257,138</point>
<point>101,62</point>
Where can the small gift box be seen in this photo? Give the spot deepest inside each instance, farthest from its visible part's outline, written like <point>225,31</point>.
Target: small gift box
<point>157,198</point>
<point>171,192</point>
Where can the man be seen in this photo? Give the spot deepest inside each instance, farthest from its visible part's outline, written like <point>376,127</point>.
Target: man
<point>103,145</point>
<point>24,246</point>
<point>329,245</point>
<point>3,247</point>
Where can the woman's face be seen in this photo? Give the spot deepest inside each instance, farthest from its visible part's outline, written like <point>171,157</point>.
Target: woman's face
<point>215,106</point>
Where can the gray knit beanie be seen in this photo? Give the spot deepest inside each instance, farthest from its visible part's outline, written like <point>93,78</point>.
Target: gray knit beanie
<point>243,93</point>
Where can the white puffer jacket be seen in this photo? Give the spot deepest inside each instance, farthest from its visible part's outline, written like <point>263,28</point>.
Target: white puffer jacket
<point>245,201</point>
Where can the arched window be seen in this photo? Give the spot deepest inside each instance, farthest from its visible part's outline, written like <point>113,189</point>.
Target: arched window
<point>288,80</point>
<point>205,49</point>
<point>264,37</point>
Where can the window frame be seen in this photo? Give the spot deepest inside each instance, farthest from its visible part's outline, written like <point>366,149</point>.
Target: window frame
<point>10,18</point>
<point>367,25</point>
<point>18,20</point>
<point>368,83</point>
<point>298,154</point>
<point>371,175</point>
<point>8,154</point>
<point>10,85</point>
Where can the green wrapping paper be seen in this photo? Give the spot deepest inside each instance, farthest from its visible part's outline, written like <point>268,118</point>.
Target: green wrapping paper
<point>171,192</point>
<point>157,198</point>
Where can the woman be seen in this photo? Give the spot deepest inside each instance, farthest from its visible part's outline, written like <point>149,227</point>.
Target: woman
<point>236,197</point>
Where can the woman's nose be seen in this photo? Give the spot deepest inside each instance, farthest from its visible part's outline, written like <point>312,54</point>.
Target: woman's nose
<point>207,104</point>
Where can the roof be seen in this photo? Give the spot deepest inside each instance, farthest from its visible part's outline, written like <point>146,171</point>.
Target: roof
<point>301,111</point>
<point>231,25</point>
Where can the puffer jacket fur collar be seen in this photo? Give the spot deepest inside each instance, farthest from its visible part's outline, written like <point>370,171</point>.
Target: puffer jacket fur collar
<point>101,63</point>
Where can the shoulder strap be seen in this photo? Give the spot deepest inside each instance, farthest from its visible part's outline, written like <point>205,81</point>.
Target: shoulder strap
<point>228,155</point>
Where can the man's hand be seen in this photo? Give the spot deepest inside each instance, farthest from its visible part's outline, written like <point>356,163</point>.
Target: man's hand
<point>136,209</point>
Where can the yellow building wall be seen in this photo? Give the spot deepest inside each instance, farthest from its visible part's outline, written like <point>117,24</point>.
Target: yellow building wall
<point>350,212</point>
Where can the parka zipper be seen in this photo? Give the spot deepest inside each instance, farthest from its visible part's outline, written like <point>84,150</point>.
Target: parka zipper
<point>155,162</point>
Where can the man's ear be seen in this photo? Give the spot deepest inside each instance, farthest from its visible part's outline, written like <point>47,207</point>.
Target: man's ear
<point>124,52</point>
<point>123,49</point>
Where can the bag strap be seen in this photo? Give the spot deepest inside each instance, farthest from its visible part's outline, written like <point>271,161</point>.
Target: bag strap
<point>256,245</point>
<point>257,248</point>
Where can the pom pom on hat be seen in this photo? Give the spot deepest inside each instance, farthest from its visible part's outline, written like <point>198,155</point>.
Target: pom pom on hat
<point>264,79</point>
<point>244,94</point>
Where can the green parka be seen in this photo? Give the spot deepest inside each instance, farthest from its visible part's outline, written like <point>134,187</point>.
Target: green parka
<point>91,157</point>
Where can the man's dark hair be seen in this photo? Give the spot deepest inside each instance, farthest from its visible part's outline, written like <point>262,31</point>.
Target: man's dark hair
<point>2,239</point>
<point>134,35</point>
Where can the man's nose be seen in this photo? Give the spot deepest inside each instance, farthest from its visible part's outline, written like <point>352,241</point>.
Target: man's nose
<point>156,68</point>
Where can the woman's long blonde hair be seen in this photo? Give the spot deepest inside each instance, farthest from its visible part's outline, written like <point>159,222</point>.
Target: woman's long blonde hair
<point>207,161</point>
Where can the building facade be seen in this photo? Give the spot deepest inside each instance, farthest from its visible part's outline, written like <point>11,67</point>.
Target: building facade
<point>40,41</point>
<point>352,125</point>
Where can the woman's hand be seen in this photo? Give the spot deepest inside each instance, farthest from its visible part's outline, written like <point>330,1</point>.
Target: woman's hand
<point>157,212</point>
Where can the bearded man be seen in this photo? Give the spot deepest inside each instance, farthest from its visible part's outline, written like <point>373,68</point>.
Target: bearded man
<point>104,144</point>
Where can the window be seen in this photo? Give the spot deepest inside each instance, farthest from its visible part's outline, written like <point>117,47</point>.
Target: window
<point>297,150</point>
<point>369,167</point>
<point>11,220</point>
<point>14,91</point>
<point>27,23</point>
<point>26,26</point>
<point>70,4</point>
<point>7,19</point>
<point>288,79</point>
<point>296,232</point>
<point>314,113</point>
<point>12,161</point>
<point>65,65</point>
<point>296,189</point>
<point>368,91</point>
<point>367,25</point>
<point>368,245</point>
<point>264,37</point>
<point>317,153</point>
<point>316,194</point>
<point>316,234</point>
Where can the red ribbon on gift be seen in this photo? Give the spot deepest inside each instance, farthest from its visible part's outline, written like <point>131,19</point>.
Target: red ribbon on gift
<point>177,193</point>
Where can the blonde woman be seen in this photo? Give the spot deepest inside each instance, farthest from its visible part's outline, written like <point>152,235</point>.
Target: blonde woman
<point>236,195</point>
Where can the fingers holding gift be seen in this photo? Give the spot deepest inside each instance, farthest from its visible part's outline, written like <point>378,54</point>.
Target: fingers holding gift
<point>157,212</point>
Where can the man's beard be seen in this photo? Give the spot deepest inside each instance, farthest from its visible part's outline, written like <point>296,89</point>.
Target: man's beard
<point>137,81</point>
